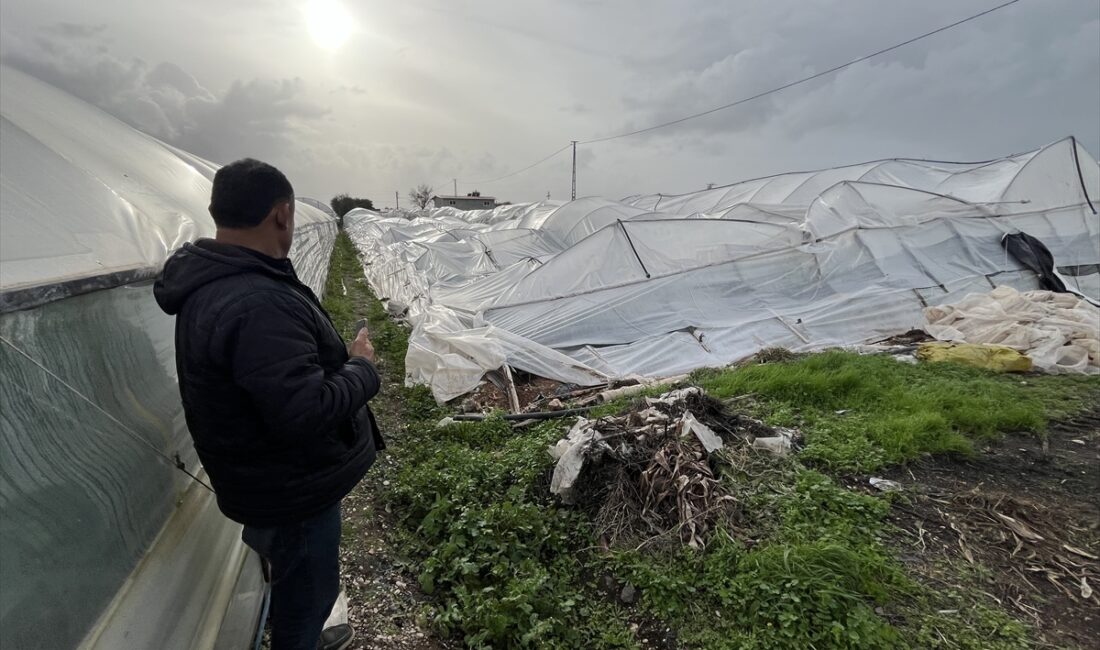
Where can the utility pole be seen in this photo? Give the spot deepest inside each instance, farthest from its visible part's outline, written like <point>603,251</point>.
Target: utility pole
<point>397,199</point>
<point>573,195</point>
<point>456,185</point>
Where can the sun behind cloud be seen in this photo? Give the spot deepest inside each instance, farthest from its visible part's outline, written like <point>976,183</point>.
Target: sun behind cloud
<point>330,24</point>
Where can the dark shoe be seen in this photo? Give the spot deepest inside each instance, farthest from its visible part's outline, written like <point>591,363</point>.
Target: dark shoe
<point>336,637</point>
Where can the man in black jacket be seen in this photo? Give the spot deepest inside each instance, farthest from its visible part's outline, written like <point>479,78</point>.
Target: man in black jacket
<point>275,402</point>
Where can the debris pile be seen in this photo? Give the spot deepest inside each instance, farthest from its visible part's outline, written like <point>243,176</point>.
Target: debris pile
<point>651,475</point>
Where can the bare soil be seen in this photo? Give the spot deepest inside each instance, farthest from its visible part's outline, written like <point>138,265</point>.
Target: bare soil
<point>529,390</point>
<point>1028,511</point>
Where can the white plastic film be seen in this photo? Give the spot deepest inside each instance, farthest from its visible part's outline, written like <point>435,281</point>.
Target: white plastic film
<point>658,285</point>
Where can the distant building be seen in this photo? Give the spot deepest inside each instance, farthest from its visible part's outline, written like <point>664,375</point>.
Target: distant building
<point>472,201</point>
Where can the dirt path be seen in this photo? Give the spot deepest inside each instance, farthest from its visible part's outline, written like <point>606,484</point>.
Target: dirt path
<point>385,604</point>
<point>384,600</point>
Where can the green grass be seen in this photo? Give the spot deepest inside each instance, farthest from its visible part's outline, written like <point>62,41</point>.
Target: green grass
<point>348,298</point>
<point>962,619</point>
<point>891,412</point>
<point>811,579</point>
<point>807,565</point>
<point>504,561</point>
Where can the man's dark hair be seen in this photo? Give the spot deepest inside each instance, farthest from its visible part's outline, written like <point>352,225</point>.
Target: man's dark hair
<point>245,191</point>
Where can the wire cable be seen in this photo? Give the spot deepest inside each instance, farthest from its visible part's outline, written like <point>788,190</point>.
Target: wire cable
<point>744,100</point>
<point>174,462</point>
<point>802,80</point>
<point>518,171</point>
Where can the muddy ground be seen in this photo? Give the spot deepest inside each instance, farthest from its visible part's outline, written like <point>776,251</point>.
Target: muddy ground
<point>1026,510</point>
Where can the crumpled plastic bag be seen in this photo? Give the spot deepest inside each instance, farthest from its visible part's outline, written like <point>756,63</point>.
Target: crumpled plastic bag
<point>570,454</point>
<point>339,613</point>
<point>998,358</point>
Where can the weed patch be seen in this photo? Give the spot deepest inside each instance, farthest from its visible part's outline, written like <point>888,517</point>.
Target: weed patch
<point>506,563</point>
<point>862,412</point>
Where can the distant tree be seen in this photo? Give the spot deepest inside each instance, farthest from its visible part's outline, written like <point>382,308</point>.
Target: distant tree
<point>421,195</point>
<point>342,204</point>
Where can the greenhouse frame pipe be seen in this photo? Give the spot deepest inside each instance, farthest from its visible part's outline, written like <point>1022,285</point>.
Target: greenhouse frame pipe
<point>539,415</point>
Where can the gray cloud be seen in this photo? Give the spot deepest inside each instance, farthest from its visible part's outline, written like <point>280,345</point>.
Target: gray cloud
<point>354,90</point>
<point>477,96</point>
<point>260,117</point>
<point>75,30</point>
<point>1026,66</point>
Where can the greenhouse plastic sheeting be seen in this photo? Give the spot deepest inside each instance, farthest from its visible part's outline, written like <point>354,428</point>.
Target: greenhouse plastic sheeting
<point>82,195</point>
<point>656,285</point>
<point>103,542</point>
<point>1059,332</point>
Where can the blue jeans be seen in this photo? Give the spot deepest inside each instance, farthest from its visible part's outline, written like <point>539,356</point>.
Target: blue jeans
<point>305,576</point>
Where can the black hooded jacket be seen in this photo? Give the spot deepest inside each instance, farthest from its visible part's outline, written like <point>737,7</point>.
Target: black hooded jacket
<point>277,410</point>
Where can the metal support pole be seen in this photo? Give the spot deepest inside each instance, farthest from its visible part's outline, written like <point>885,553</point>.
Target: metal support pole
<point>573,195</point>
<point>397,199</point>
<point>513,398</point>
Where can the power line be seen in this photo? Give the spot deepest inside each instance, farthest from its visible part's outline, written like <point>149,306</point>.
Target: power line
<point>802,80</point>
<point>753,97</point>
<point>518,171</point>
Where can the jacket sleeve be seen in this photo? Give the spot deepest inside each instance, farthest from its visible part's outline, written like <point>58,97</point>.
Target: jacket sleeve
<point>271,347</point>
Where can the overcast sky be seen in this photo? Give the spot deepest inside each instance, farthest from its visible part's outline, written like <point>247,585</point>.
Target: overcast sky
<point>423,91</point>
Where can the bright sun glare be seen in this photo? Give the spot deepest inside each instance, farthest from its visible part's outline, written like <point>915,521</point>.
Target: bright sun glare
<point>329,22</point>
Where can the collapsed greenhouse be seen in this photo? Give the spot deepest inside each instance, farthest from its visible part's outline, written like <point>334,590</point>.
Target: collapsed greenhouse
<point>92,434</point>
<point>657,285</point>
<point>104,542</point>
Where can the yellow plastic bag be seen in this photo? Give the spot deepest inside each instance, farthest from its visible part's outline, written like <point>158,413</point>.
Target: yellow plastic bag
<point>991,357</point>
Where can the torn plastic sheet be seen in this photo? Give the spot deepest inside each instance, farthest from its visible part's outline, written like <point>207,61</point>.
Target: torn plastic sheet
<point>780,445</point>
<point>339,613</point>
<point>672,397</point>
<point>997,358</point>
<point>452,360</point>
<point>691,426</point>
<point>884,485</point>
<point>570,452</point>
<point>1033,254</point>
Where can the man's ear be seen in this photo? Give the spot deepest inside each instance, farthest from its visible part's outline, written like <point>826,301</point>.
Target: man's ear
<point>281,213</point>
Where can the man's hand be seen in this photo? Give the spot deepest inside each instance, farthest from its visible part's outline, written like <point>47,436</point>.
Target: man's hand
<point>361,346</point>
